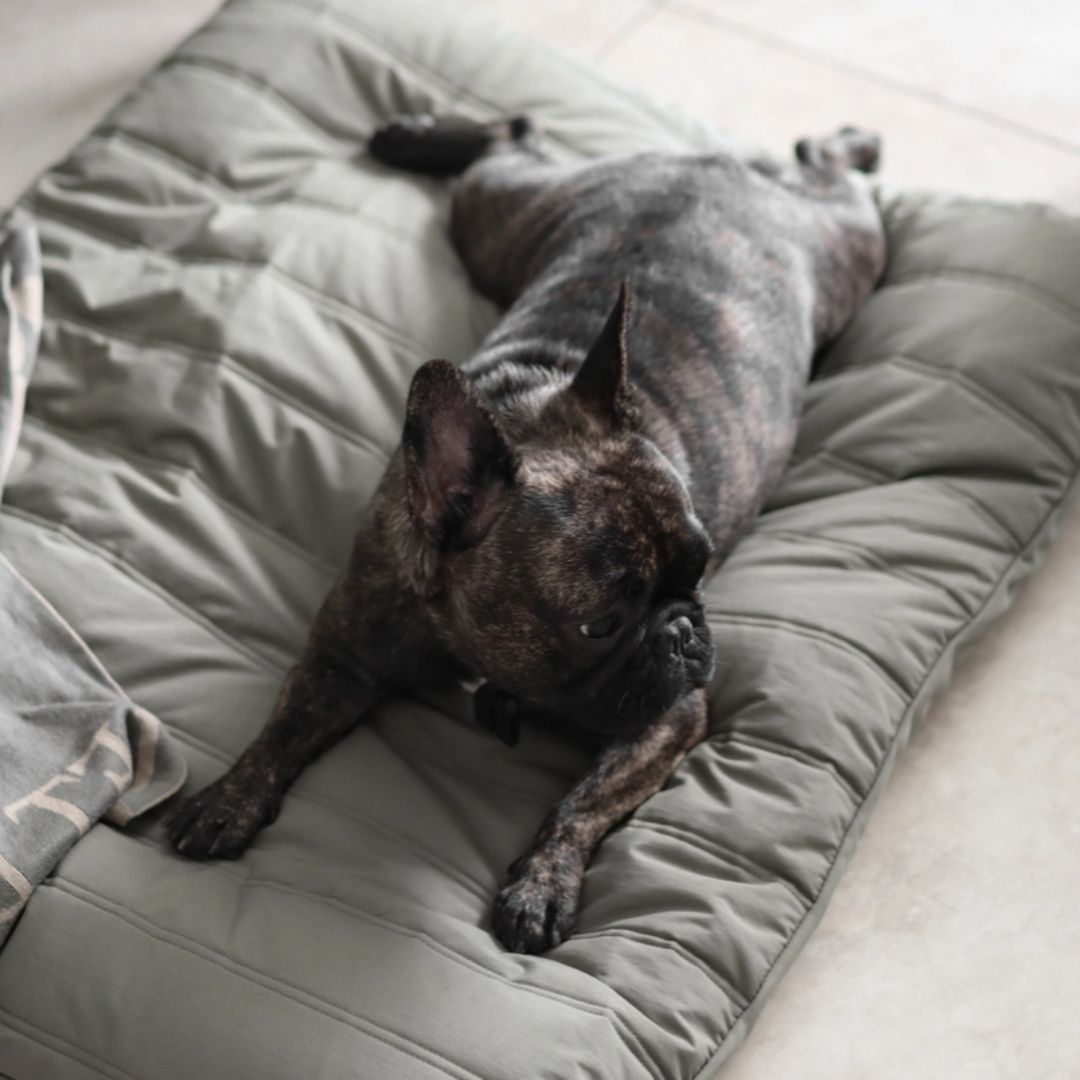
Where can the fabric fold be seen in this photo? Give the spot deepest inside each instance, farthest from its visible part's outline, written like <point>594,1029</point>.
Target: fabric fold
<point>74,748</point>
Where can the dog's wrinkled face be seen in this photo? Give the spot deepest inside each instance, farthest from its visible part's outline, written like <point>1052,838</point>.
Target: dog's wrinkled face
<point>564,568</point>
<point>582,599</point>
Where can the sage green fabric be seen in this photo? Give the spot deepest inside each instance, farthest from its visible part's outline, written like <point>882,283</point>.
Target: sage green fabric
<point>236,297</point>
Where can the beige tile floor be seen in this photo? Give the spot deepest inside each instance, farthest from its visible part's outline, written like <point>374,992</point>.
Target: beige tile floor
<point>951,949</point>
<point>979,96</point>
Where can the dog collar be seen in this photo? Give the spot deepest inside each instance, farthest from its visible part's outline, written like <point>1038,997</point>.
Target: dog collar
<point>497,711</point>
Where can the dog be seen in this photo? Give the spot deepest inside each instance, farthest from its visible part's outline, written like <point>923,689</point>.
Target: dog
<point>557,503</point>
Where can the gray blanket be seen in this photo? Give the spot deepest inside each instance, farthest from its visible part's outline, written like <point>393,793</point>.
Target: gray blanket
<point>73,746</point>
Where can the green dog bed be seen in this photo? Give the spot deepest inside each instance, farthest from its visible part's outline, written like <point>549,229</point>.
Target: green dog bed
<point>236,297</point>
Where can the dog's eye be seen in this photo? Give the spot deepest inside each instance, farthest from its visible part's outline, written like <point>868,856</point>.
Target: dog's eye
<point>602,628</point>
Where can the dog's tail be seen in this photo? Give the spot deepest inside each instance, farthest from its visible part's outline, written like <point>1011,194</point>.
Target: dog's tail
<point>446,145</point>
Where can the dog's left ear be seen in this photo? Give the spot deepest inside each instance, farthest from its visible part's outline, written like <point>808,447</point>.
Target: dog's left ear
<point>602,384</point>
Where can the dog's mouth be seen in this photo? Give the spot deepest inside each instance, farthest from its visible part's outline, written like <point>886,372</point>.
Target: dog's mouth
<point>674,658</point>
<point>680,638</point>
<point>670,658</point>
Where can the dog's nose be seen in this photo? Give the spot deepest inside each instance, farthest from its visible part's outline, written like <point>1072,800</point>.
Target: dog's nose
<point>685,629</point>
<point>676,635</point>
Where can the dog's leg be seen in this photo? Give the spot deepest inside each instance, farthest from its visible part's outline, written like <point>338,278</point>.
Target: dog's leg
<point>446,145</point>
<point>504,171</point>
<point>849,148</point>
<point>373,632</point>
<point>324,695</point>
<point>318,703</point>
<point>536,908</point>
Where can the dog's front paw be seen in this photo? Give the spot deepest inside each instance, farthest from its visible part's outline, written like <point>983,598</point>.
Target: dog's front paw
<point>537,907</point>
<point>220,821</point>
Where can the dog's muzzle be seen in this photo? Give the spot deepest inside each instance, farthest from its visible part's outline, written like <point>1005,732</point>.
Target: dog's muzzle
<point>674,657</point>
<point>679,637</point>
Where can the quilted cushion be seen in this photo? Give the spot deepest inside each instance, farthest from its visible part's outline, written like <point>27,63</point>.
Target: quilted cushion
<point>236,298</point>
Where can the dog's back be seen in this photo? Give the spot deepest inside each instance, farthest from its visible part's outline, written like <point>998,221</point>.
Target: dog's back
<point>740,270</point>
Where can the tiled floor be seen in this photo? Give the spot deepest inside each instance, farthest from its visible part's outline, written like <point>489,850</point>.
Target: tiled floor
<point>974,96</point>
<point>950,949</point>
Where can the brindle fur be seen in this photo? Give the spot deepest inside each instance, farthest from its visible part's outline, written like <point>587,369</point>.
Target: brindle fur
<point>581,464</point>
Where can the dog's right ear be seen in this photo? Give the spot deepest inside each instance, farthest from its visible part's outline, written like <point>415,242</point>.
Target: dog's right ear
<point>458,463</point>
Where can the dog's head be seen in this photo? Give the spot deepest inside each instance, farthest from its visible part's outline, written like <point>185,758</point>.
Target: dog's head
<point>563,564</point>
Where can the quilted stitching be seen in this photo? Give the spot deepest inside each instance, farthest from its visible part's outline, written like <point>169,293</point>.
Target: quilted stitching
<point>236,302</point>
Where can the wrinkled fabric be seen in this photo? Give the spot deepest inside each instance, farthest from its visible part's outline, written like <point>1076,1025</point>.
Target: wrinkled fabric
<point>20,325</point>
<point>238,296</point>
<point>73,747</point>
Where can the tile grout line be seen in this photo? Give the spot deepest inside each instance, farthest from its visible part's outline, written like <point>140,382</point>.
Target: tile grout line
<point>691,9</point>
<point>631,26</point>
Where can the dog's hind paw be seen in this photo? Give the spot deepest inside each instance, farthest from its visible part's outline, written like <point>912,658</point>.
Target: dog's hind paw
<point>850,148</point>
<point>444,145</point>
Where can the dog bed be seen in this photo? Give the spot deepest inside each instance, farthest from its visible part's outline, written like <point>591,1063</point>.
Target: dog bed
<point>236,296</point>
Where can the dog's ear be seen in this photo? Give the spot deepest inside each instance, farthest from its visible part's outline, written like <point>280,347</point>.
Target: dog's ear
<point>458,463</point>
<point>602,383</point>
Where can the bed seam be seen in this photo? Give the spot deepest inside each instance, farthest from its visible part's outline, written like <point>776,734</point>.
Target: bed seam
<point>223,360</point>
<point>919,365</point>
<point>227,758</point>
<point>759,874</point>
<point>149,584</point>
<point>262,90</point>
<point>187,472</point>
<point>68,1046</point>
<point>802,757</point>
<point>226,194</point>
<point>991,279</point>
<point>870,559</point>
<point>269,982</point>
<point>293,284</point>
<point>860,470</point>
<point>815,633</point>
<point>571,1001</point>
<point>471,885</point>
<point>659,941</point>
<point>463,879</point>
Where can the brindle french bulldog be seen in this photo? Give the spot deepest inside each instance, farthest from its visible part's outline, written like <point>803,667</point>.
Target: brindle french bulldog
<point>557,502</point>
